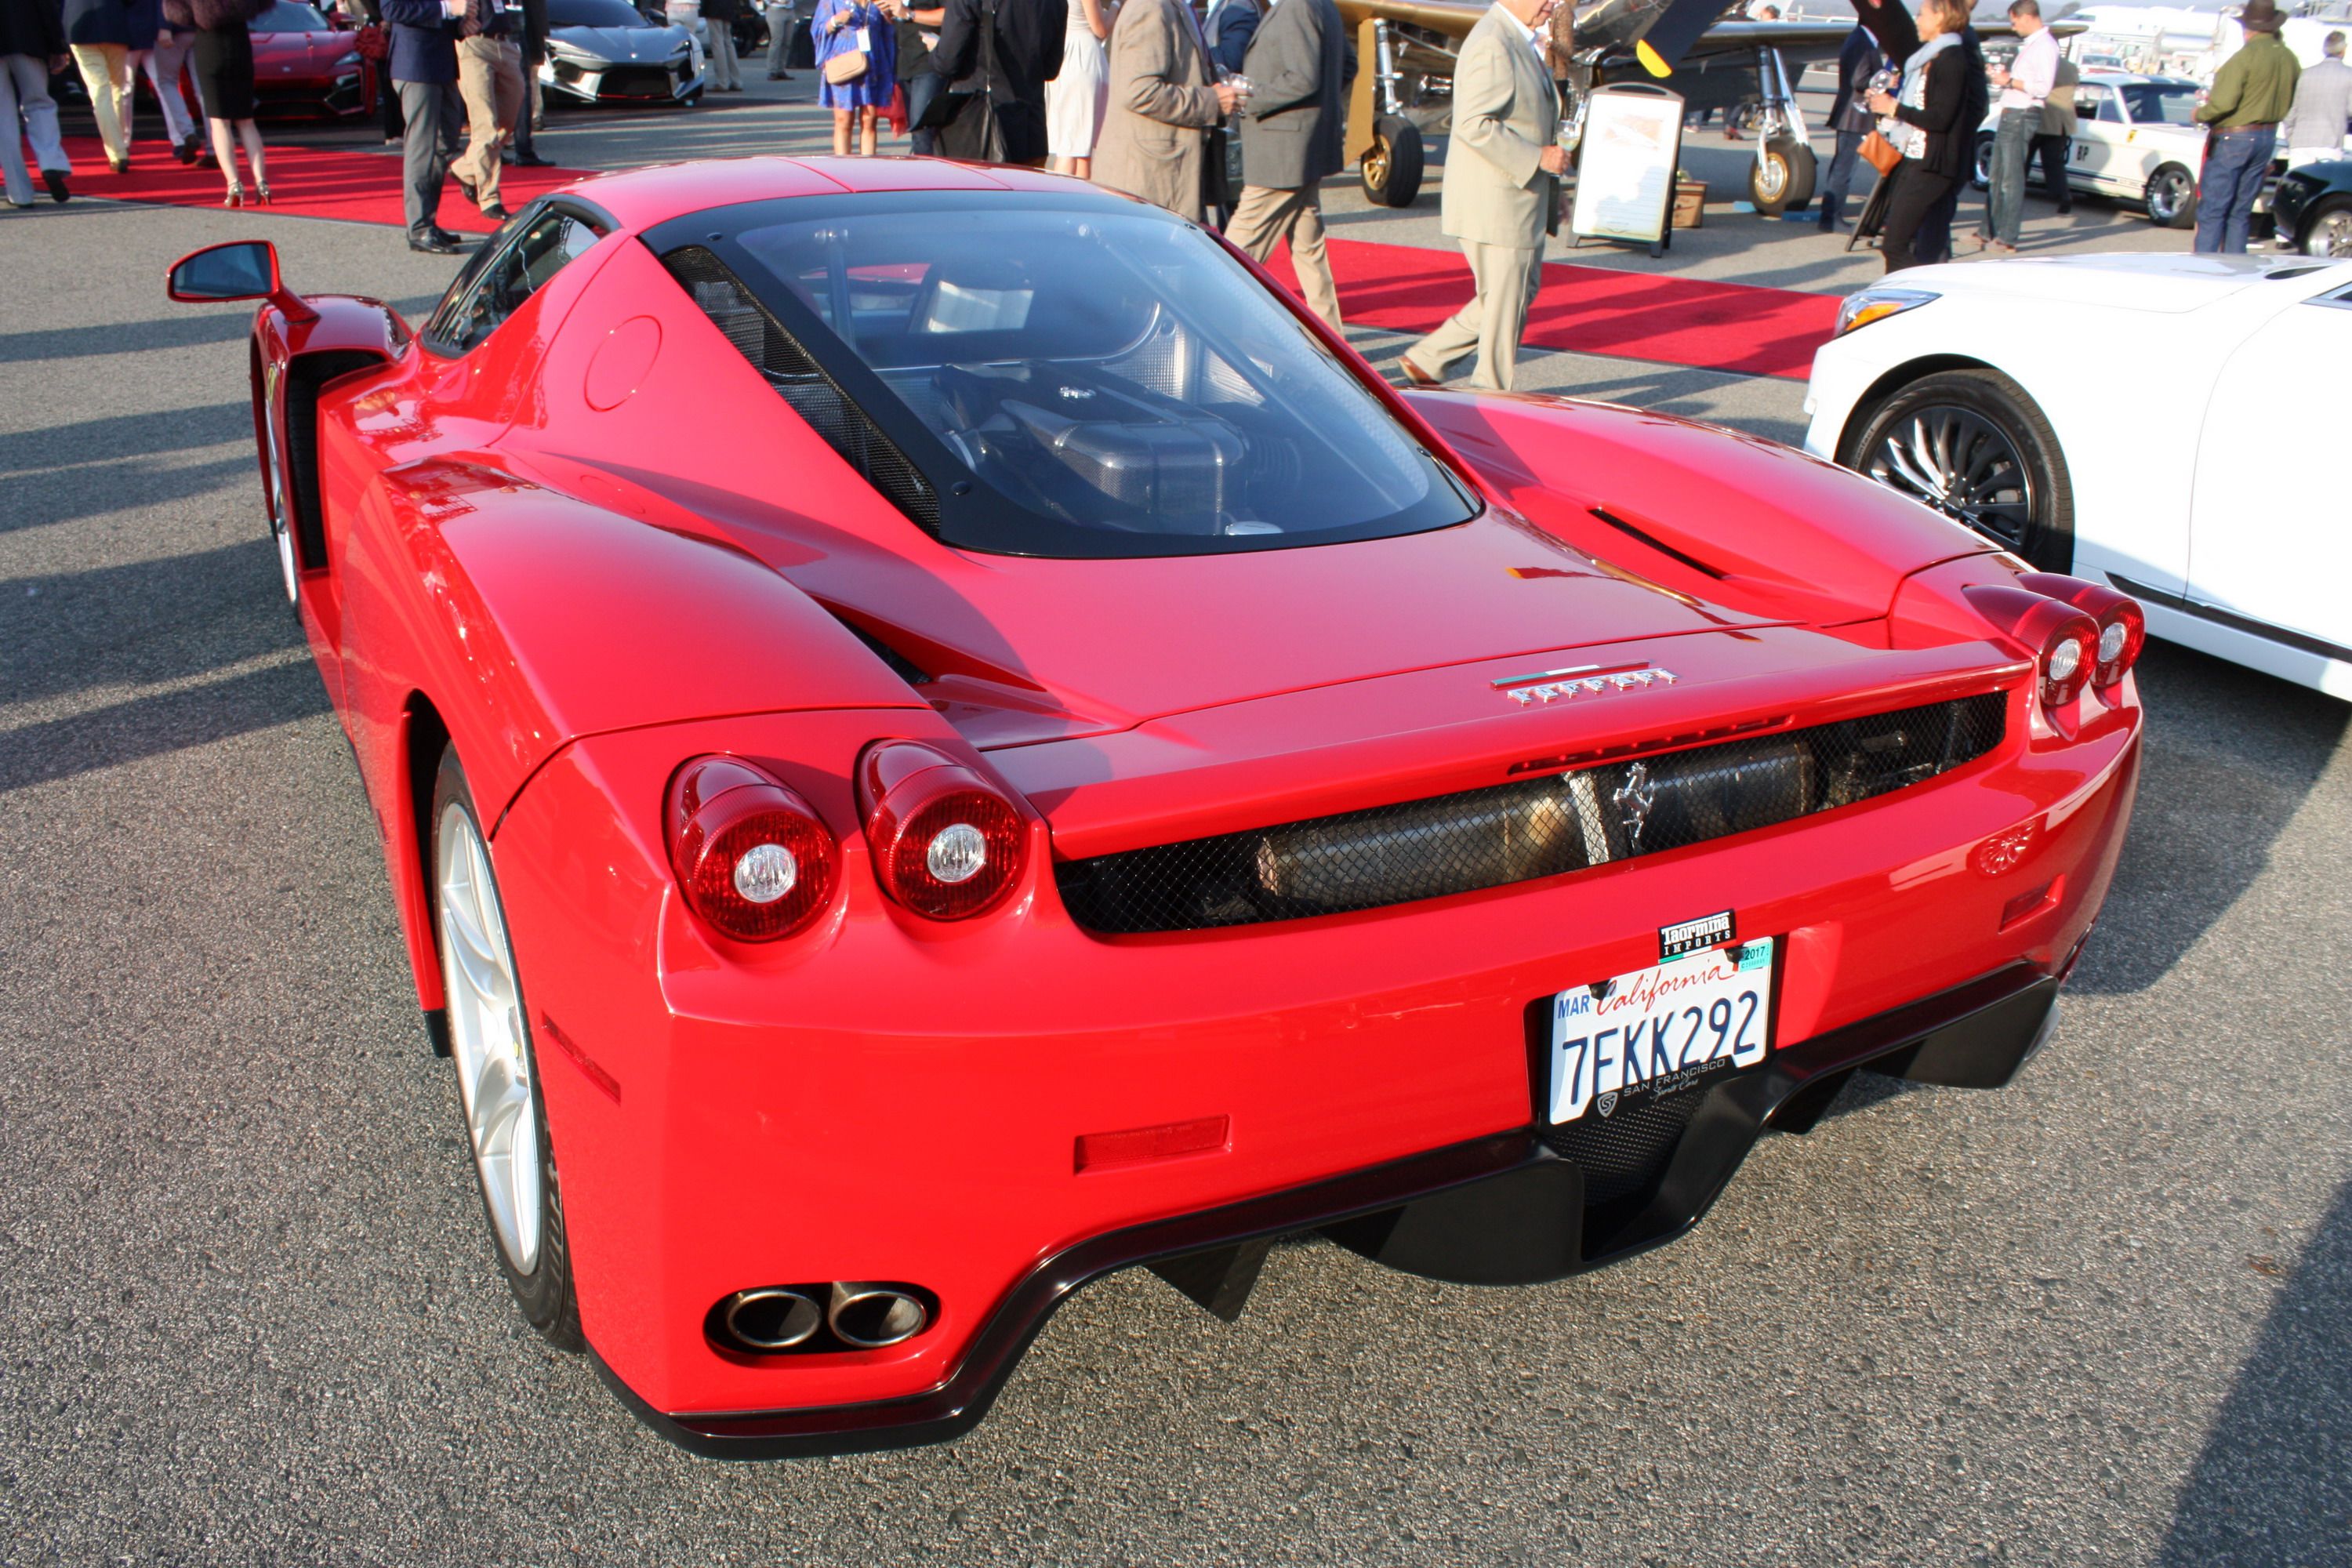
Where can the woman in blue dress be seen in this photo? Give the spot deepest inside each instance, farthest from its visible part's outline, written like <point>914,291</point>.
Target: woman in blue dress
<point>843,29</point>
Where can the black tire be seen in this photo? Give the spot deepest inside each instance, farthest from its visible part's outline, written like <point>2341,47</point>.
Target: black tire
<point>2170,198</point>
<point>2020,496</point>
<point>545,1295</point>
<point>1782,180</point>
<point>1391,171</point>
<point>1981,178</point>
<point>2328,230</point>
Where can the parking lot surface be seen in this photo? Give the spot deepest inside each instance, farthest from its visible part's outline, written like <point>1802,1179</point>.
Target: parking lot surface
<point>248,1311</point>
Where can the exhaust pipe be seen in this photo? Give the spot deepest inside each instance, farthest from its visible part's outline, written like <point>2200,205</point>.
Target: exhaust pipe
<point>872,1316</point>
<point>771,1320</point>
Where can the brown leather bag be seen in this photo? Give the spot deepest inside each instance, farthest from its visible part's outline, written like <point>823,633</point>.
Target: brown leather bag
<point>1880,153</point>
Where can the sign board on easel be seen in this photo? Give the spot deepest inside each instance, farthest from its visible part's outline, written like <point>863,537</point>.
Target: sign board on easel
<point>1625,164</point>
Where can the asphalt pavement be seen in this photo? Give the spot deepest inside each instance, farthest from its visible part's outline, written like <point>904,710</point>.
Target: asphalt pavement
<point>248,1313</point>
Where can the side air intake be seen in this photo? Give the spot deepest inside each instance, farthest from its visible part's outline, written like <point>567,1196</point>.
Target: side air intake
<point>790,369</point>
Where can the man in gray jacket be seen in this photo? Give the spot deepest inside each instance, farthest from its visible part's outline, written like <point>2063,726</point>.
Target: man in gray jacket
<point>1501,196</point>
<point>2314,132</point>
<point>1291,141</point>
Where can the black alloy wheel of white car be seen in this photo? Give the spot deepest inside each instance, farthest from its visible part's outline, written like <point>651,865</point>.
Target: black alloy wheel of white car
<point>1972,444</point>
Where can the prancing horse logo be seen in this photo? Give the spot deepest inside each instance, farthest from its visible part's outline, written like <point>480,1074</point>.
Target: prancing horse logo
<point>1633,800</point>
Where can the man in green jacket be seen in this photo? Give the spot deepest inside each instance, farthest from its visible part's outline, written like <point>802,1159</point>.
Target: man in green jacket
<point>2251,94</point>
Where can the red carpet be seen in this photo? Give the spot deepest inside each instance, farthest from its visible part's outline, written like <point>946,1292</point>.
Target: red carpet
<point>1593,310</point>
<point>304,181</point>
<point>1589,310</point>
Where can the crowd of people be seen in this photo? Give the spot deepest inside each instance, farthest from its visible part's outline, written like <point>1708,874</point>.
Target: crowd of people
<point>108,44</point>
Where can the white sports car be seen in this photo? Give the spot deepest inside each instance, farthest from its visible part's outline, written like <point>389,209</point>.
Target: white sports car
<point>2168,423</point>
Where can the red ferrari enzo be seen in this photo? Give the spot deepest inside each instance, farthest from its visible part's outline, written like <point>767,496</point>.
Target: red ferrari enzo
<point>1111,782</point>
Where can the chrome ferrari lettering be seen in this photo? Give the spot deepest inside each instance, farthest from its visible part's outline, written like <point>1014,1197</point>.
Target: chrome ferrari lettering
<point>1545,687</point>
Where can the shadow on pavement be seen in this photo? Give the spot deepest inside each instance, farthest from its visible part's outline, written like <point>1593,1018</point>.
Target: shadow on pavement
<point>2230,757</point>
<point>167,721</point>
<point>2274,1483</point>
<point>143,622</point>
<point>124,337</point>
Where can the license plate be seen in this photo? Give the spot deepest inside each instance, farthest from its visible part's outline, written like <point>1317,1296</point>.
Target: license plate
<point>1661,1030</point>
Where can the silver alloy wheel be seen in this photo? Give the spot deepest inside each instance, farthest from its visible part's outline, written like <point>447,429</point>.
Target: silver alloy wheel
<point>281,524</point>
<point>2331,235</point>
<point>1963,464</point>
<point>485,1037</point>
<point>2170,194</point>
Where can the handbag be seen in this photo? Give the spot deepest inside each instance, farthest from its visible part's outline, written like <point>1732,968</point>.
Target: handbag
<point>846,67</point>
<point>1880,153</point>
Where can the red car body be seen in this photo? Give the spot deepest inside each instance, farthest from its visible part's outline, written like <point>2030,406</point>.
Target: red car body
<point>527,552</point>
<point>303,65</point>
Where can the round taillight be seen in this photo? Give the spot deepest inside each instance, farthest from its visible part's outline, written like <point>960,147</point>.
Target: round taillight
<point>2067,660</point>
<point>753,860</point>
<point>2123,625</point>
<point>947,844</point>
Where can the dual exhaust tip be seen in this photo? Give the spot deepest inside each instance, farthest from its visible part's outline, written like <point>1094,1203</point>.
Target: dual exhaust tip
<point>840,1316</point>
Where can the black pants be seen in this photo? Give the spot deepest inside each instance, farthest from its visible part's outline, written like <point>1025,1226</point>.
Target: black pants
<point>1909,229</point>
<point>2052,151</point>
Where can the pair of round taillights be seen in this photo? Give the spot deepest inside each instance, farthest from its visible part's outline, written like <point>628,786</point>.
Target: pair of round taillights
<point>757,863</point>
<point>2084,635</point>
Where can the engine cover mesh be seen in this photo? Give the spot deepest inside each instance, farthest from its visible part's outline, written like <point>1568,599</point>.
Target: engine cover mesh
<point>1519,831</point>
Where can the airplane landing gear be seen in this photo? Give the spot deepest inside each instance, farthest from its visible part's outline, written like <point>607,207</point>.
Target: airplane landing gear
<point>1781,178</point>
<point>1391,168</point>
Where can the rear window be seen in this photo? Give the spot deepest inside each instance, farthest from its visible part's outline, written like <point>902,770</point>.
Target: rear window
<point>1077,377</point>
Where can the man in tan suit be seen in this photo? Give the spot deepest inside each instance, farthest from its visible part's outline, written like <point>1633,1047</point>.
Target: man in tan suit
<point>1502,191</point>
<point>1164,98</point>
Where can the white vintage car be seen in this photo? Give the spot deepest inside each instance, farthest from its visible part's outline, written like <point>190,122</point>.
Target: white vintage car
<point>2168,424</point>
<point>2135,139</point>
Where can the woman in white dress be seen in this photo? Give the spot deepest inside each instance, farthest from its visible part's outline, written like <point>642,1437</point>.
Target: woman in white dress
<point>1077,99</point>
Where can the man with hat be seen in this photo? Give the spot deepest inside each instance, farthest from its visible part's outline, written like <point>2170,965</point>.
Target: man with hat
<point>2251,94</point>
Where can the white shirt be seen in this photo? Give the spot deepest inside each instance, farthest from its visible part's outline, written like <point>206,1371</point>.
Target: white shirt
<point>1534,42</point>
<point>2032,73</point>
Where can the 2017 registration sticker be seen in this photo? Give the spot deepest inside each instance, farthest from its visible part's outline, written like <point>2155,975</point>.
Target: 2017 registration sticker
<point>1660,1030</point>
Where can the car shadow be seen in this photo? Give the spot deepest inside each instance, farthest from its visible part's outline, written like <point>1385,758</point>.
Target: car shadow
<point>2273,1485</point>
<point>143,622</point>
<point>2230,756</point>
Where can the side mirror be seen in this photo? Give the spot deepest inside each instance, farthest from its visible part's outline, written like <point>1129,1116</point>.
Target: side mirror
<point>240,269</point>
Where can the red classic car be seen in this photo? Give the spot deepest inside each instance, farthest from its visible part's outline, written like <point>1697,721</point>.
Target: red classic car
<point>1111,782</point>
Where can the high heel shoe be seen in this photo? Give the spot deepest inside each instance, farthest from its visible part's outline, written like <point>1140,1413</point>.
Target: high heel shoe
<point>235,197</point>
<point>260,194</point>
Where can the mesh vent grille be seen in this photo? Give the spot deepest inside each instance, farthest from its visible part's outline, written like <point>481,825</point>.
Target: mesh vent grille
<point>1625,1152</point>
<point>802,384</point>
<point>1517,832</point>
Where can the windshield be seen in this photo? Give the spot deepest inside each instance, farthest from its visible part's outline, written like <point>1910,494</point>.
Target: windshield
<point>594,14</point>
<point>1114,382</point>
<point>2161,103</point>
<point>286,17</point>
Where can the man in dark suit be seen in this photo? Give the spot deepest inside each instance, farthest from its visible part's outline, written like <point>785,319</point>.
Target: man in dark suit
<point>1026,47</point>
<point>1292,140</point>
<point>424,70</point>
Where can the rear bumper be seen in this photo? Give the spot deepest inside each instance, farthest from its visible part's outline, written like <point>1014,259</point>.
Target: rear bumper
<point>1500,1210</point>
